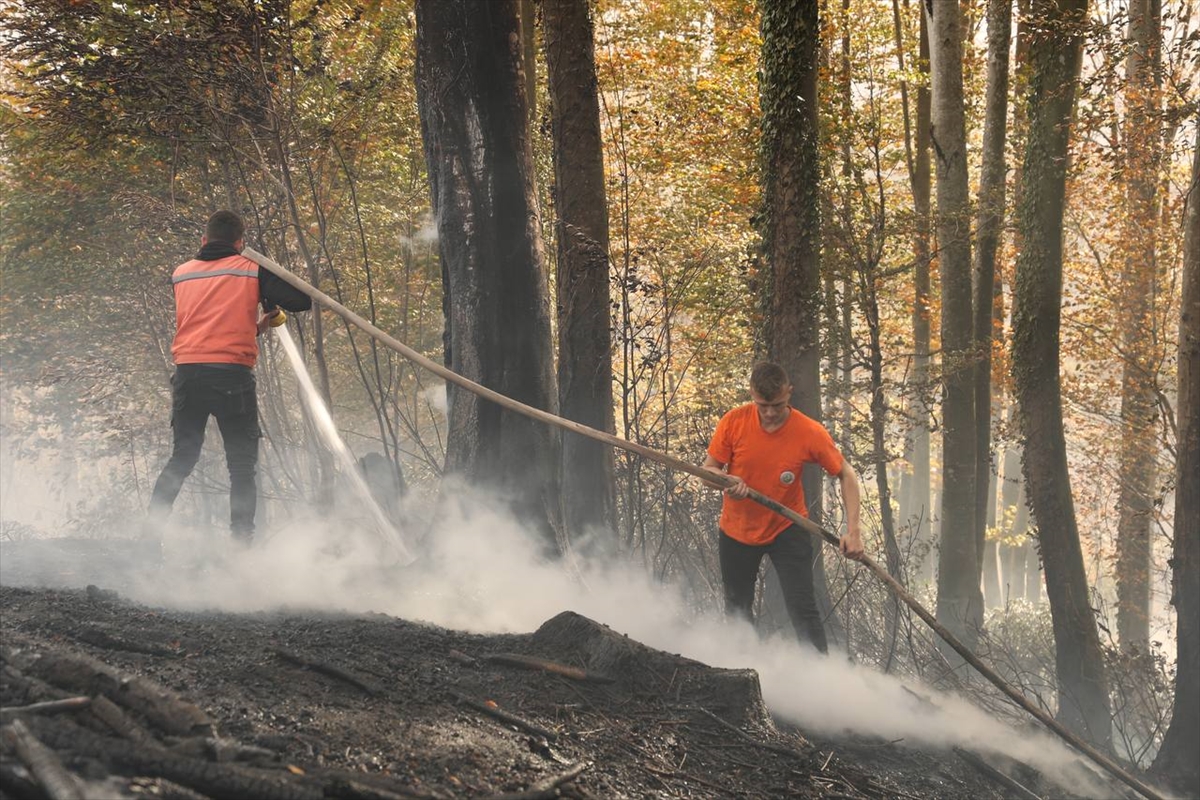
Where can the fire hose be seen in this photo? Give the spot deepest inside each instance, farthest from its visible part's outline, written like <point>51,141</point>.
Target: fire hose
<point>1108,764</point>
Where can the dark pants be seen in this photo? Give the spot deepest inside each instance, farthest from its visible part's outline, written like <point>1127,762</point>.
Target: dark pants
<point>792,552</point>
<point>227,393</point>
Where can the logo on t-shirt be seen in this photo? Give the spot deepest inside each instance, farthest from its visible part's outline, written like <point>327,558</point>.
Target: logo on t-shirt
<point>787,477</point>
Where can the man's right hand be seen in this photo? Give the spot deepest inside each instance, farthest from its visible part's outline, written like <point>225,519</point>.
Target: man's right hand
<point>738,490</point>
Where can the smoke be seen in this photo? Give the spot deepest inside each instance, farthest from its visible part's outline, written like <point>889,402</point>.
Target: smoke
<point>479,571</point>
<point>424,237</point>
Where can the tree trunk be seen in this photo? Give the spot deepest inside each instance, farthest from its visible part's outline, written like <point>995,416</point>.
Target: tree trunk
<point>987,231</point>
<point>959,601</point>
<point>791,220</point>
<point>915,501</point>
<point>471,93</point>
<point>1176,760</point>
<point>528,10</point>
<point>1054,56</point>
<point>1139,344</point>
<point>584,341</point>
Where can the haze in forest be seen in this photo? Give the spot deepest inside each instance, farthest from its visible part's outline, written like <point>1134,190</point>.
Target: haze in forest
<point>480,571</point>
<point>963,228</point>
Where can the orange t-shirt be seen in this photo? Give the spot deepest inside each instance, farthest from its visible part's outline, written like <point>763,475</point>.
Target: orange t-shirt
<point>771,464</point>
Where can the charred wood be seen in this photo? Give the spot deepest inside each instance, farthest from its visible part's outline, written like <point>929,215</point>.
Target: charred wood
<point>218,781</point>
<point>163,709</point>
<point>349,789</point>
<point>32,689</point>
<point>223,751</point>
<point>505,716</point>
<point>47,707</point>
<point>170,790</point>
<point>98,637</point>
<point>113,718</point>
<point>330,670</point>
<point>463,658</point>
<point>548,788</point>
<point>531,662</point>
<point>41,761</point>
<point>15,783</point>
<point>1013,785</point>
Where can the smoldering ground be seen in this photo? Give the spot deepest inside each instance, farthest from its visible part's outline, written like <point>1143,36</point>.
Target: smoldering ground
<point>477,570</point>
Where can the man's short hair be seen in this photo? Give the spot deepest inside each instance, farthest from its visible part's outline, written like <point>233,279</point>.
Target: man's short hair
<point>768,379</point>
<point>224,226</point>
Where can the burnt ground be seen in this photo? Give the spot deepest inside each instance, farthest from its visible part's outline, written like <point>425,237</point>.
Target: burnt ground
<point>306,705</point>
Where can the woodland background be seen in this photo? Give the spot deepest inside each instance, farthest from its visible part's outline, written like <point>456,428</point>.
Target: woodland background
<point>664,190</point>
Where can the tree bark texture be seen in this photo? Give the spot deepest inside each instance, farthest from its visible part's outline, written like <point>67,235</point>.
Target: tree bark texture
<point>584,338</point>
<point>471,96</point>
<point>791,176</point>
<point>1176,758</point>
<point>791,220</point>
<point>960,602</point>
<point>1140,342</point>
<point>1054,56</point>
<point>987,232</point>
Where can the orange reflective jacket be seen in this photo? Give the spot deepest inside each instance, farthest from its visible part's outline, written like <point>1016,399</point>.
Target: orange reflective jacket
<point>216,312</point>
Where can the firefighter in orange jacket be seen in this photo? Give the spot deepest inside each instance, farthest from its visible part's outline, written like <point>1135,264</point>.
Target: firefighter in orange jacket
<point>218,296</point>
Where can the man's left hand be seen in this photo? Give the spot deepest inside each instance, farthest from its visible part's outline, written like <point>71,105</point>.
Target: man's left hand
<point>851,546</point>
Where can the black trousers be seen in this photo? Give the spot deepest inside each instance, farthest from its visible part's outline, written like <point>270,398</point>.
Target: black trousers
<point>792,552</point>
<point>226,392</point>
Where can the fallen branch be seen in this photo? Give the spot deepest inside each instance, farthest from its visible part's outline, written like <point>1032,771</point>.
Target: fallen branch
<point>1022,792</point>
<point>206,777</point>
<point>114,718</point>
<point>504,716</point>
<point>222,750</point>
<point>330,670</point>
<point>463,658</point>
<point>47,707</point>
<point>531,662</point>
<point>86,675</point>
<point>98,637</point>
<point>547,788</point>
<point>344,789</point>
<point>42,763</point>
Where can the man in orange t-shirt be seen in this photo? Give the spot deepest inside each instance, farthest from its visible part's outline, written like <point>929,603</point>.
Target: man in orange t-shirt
<point>764,445</point>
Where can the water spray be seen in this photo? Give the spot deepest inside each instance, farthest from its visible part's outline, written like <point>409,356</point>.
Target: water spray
<point>1104,761</point>
<point>328,432</point>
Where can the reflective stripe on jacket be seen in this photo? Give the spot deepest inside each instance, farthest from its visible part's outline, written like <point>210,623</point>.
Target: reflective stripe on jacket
<point>216,312</point>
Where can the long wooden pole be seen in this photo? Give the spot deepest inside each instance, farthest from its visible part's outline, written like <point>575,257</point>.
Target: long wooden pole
<point>713,478</point>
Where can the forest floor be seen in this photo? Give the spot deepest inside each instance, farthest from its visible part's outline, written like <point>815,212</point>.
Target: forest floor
<point>320,705</point>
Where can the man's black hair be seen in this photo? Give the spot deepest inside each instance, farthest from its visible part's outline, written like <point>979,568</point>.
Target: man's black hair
<point>224,226</point>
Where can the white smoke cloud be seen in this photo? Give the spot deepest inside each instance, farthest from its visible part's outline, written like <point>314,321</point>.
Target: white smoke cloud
<point>479,571</point>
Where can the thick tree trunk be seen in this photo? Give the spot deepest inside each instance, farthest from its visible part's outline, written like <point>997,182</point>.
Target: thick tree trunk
<point>584,341</point>
<point>1139,406</point>
<point>791,219</point>
<point>471,93</point>
<point>987,232</point>
<point>1176,760</point>
<point>959,602</point>
<point>1054,56</point>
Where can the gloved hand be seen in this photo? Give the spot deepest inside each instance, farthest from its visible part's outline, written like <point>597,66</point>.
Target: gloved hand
<point>271,318</point>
